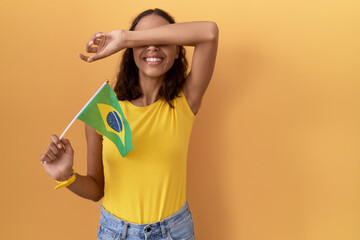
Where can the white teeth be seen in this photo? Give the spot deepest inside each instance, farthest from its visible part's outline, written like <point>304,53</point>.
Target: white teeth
<point>153,59</point>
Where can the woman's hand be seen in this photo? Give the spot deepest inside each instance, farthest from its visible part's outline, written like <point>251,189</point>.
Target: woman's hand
<point>58,159</point>
<point>103,45</point>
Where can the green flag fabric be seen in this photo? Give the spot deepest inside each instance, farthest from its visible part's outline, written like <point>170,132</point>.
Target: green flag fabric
<point>104,114</point>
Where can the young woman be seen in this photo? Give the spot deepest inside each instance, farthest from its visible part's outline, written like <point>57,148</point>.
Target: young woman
<point>145,191</point>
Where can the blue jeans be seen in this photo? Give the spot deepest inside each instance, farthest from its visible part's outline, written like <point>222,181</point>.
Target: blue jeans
<point>178,226</point>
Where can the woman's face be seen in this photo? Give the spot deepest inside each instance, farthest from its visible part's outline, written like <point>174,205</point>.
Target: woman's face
<point>154,61</point>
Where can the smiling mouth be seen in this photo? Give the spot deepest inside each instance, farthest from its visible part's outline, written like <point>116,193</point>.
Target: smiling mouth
<point>153,60</point>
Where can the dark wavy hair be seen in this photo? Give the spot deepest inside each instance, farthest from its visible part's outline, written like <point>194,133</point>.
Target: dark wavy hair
<point>127,86</point>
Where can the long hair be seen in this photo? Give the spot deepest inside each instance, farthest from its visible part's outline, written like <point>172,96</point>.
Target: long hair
<point>127,86</point>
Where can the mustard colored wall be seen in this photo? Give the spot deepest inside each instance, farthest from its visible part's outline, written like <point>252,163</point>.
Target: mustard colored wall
<point>275,149</point>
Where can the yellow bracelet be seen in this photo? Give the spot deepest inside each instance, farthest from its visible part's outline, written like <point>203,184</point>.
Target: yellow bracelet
<point>67,182</point>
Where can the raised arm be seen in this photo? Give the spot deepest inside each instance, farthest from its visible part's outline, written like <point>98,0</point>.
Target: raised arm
<point>203,35</point>
<point>202,68</point>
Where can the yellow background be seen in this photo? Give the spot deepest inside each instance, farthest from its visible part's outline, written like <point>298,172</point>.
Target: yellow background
<point>274,152</point>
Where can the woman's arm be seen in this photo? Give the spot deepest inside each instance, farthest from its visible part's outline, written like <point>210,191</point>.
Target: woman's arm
<point>92,185</point>
<point>202,35</point>
<point>184,34</point>
<point>58,161</point>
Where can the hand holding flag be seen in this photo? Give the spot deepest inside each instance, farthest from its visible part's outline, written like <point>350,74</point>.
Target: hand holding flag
<point>58,158</point>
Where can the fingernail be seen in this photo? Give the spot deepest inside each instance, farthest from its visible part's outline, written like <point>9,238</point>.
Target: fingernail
<point>44,162</point>
<point>91,43</point>
<point>59,145</point>
<point>98,35</point>
<point>90,60</point>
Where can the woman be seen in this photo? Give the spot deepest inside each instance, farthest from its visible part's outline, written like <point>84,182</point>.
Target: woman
<point>145,191</point>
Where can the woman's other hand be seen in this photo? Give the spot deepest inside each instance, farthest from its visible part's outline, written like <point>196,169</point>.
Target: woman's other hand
<point>103,45</point>
<point>57,159</point>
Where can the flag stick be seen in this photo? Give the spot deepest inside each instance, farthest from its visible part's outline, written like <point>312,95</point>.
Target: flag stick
<point>102,86</point>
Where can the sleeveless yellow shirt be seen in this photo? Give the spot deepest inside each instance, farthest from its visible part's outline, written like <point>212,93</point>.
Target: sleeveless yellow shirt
<point>149,183</point>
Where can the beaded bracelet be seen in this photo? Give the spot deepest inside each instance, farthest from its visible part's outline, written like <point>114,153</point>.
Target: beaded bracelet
<point>67,182</point>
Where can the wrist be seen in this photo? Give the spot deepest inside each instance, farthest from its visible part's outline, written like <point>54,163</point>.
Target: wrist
<point>132,39</point>
<point>63,176</point>
<point>67,182</point>
<point>123,36</point>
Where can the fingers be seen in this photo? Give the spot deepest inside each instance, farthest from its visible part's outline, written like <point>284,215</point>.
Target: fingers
<point>83,57</point>
<point>48,156</point>
<point>89,58</point>
<point>98,56</point>
<point>92,58</point>
<point>54,150</point>
<point>67,145</point>
<point>94,40</point>
<point>91,43</point>
<point>89,47</point>
<point>93,47</point>
<point>44,159</point>
<point>92,50</point>
<point>56,140</point>
<point>96,35</point>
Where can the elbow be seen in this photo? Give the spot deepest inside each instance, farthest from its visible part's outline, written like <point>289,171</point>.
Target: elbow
<point>97,190</point>
<point>98,194</point>
<point>98,197</point>
<point>213,31</point>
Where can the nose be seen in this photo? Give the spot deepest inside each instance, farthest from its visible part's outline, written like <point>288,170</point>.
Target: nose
<point>152,48</point>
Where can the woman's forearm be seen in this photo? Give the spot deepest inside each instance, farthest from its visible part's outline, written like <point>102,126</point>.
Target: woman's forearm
<point>86,187</point>
<point>185,34</point>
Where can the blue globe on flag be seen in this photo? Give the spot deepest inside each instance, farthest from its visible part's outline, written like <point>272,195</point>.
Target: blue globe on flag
<point>114,121</point>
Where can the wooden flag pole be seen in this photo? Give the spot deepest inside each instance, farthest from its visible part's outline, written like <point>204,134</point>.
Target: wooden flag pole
<point>102,86</point>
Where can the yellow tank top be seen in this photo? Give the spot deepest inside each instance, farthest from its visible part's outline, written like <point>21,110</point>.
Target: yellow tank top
<point>149,183</point>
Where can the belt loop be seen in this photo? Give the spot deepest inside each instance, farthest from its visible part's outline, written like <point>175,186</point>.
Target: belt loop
<point>124,230</point>
<point>163,229</point>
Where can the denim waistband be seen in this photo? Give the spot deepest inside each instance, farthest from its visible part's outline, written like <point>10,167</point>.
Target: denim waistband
<point>126,228</point>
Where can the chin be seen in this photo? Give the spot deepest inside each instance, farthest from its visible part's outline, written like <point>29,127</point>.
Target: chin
<point>153,75</point>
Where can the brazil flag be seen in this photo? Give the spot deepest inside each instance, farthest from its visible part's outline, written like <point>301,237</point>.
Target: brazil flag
<point>105,115</point>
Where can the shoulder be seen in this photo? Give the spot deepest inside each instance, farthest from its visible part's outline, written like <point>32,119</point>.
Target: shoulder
<point>92,135</point>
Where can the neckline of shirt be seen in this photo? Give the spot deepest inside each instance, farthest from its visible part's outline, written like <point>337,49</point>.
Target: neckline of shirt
<point>144,107</point>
